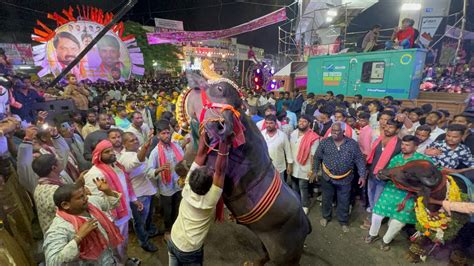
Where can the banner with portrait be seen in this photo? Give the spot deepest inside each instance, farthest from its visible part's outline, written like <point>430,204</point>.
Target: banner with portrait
<point>108,60</point>
<point>114,57</point>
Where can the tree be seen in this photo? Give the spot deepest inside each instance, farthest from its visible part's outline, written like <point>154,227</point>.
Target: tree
<point>166,55</point>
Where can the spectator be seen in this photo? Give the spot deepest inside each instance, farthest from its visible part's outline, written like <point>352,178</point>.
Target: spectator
<point>293,120</point>
<point>162,161</point>
<point>338,154</point>
<point>269,110</point>
<point>26,98</point>
<point>134,162</point>
<point>304,143</point>
<point>451,153</point>
<point>106,168</point>
<point>309,106</point>
<point>91,124</point>
<point>297,103</point>
<point>121,118</point>
<point>468,137</point>
<point>138,127</point>
<point>73,237</point>
<point>357,101</point>
<point>369,43</point>
<point>78,94</point>
<point>254,114</point>
<point>278,147</point>
<point>76,145</point>
<point>443,122</point>
<point>383,149</point>
<point>374,108</point>
<point>405,35</point>
<point>329,96</point>
<point>415,115</point>
<point>146,112</point>
<point>365,134</point>
<point>325,121</point>
<point>96,136</point>
<point>340,116</point>
<point>423,134</point>
<point>394,202</point>
<point>432,120</point>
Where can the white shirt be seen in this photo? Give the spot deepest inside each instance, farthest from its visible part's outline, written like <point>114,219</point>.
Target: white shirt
<point>196,214</point>
<point>3,100</point>
<point>142,134</point>
<point>262,101</point>
<point>271,101</point>
<point>436,132</point>
<point>356,105</point>
<point>138,174</point>
<point>279,149</point>
<point>374,124</point>
<point>422,147</point>
<point>301,171</point>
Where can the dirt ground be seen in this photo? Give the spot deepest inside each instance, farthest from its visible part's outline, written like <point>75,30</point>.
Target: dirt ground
<point>232,244</point>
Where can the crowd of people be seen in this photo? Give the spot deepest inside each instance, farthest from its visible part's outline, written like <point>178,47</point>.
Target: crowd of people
<point>350,143</point>
<point>94,171</point>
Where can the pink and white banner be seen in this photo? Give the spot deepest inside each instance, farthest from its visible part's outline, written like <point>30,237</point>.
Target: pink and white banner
<point>193,36</point>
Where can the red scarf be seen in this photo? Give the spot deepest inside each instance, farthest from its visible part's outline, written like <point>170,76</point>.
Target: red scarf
<point>112,178</point>
<point>92,246</point>
<point>386,153</point>
<point>166,174</point>
<point>305,146</point>
<point>347,131</point>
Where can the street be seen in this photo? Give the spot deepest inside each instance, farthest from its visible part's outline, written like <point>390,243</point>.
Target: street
<point>232,244</point>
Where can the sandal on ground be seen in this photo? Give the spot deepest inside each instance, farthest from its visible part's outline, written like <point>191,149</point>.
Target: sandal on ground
<point>371,239</point>
<point>384,246</point>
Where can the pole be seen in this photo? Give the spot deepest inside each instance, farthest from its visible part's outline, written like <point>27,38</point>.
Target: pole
<point>117,17</point>
<point>461,34</point>
<point>345,26</point>
<point>243,72</point>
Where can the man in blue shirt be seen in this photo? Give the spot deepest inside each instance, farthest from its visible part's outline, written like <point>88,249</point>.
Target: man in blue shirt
<point>254,115</point>
<point>291,116</point>
<point>27,97</point>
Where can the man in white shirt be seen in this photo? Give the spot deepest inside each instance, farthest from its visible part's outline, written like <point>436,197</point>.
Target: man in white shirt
<point>374,108</point>
<point>133,159</point>
<point>432,120</point>
<point>423,134</point>
<point>201,194</point>
<point>357,101</point>
<point>278,146</point>
<point>271,98</point>
<point>137,127</point>
<point>303,143</point>
<point>262,100</point>
<point>269,110</point>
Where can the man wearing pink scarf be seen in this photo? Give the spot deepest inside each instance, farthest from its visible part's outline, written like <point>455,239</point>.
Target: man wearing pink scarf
<point>106,167</point>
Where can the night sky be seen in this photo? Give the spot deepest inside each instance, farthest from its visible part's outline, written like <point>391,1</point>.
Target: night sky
<point>18,17</point>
